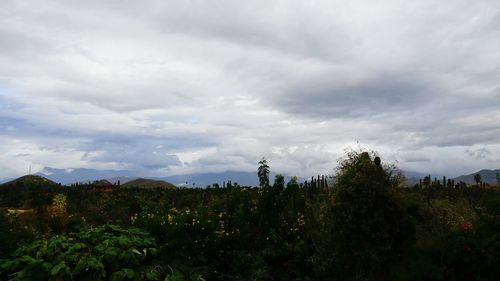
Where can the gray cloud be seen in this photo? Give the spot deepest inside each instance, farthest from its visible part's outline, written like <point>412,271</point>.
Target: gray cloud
<point>478,153</point>
<point>327,99</point>
<point>169,87</point>
<point>414,157</point>
<point>141,158</point>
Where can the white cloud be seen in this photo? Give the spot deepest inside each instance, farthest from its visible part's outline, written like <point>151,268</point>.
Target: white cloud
<point>175,86</point>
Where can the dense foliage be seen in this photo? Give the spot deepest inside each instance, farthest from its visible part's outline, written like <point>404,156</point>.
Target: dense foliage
<point>366,227</point>
<point>89,254</point>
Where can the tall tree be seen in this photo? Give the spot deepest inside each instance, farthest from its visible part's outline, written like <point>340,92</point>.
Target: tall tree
<point>477,178</point>
<point>263,173</point>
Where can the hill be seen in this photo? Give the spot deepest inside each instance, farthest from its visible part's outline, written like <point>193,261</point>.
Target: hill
<point>149,183</point>
<point>31,180</point>
<point>487,176</point>
<point>122,180</point>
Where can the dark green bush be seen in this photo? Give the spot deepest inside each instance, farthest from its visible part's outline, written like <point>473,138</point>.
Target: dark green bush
<point>371,231</point>
<point>103,253</point>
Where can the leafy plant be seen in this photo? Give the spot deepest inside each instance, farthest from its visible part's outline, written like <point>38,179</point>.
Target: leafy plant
<point>91,254</point>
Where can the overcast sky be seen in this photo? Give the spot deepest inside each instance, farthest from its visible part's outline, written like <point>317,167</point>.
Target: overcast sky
<point>172,87</point>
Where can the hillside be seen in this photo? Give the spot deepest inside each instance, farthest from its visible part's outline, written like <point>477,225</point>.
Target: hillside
<point>149,183</point>
<point>487,176</point>
<point>31,180</point>
<point>122,180</point>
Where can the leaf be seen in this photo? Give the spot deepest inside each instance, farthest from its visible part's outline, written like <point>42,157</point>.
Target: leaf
<point>129,272</point>
<point>117,276</point>
<point>110,254</point>
<point>6,265</point>
<point>124,242</point>
<point>55,270</point>
<point>175,276</point>
<point>115,228</point>
<point>76,247</point>
<point>61,270</point>
<point>197,277</point>
<point>121,274</point>
<point>153,275</point>
<point>27,259</point>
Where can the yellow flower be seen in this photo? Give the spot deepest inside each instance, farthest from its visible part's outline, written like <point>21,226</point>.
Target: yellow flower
<point>133,218</point>
<point>169,218</point>
<point>59,205</point>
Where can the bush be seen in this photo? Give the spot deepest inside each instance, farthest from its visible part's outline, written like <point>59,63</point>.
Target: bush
<point>106,252</point>
<point>370,229</point>
<point>12,234</point>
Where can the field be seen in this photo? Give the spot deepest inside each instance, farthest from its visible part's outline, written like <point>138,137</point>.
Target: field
<point>366,227</point>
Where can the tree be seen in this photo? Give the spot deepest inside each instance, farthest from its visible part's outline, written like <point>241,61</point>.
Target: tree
<point>279,182</point>
<point>477,178</point>
<point>427,181</point>
<point>263,173</point>
<point>370,229</point>
<point>292,183</point>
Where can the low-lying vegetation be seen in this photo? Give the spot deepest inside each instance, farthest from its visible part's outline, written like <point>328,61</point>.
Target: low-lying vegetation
<point>366,227</point>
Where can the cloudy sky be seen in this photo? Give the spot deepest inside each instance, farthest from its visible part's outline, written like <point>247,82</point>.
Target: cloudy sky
<point>173,87</point>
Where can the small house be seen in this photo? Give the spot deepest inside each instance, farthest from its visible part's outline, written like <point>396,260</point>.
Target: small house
<point>102,186</point>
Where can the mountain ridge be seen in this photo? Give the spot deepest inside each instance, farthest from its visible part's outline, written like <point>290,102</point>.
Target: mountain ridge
<point>70,176</point>
<point>487,176</point>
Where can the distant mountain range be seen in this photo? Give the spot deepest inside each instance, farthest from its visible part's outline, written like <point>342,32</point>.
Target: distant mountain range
<point>204,179</point>
<point>2,181</point>
<point>487,176</point>
<point>69,176</point>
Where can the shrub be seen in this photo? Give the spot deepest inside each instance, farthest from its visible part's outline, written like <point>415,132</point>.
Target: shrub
<point>12,234</point>
<point>370,229</point>
<point>106,252</point>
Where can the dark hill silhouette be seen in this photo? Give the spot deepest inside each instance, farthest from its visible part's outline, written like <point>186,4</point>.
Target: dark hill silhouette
<point>31,180</point>
<point>148,183</point>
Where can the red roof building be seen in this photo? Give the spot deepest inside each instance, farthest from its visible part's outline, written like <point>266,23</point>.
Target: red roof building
<point>102,186</point>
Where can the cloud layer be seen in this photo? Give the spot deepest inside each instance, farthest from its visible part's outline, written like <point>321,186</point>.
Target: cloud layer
<point>169,87</point>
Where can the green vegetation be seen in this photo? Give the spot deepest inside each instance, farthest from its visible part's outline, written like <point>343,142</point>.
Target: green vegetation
<point>366,227</point>
<point>31,180</point>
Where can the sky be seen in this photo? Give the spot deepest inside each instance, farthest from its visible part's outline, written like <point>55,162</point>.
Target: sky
<point>174,87</point>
